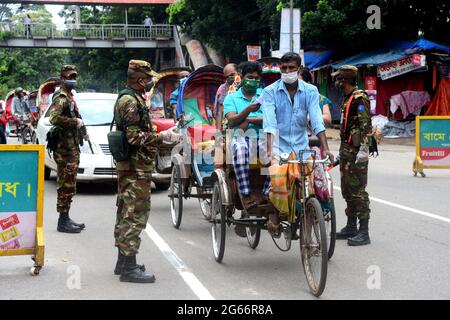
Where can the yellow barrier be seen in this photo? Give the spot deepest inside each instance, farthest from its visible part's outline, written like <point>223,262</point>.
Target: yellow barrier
<point>432,143</point>
<point>22,202</point>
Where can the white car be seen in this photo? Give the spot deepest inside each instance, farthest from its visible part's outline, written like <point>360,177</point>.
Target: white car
<point>96,109</point>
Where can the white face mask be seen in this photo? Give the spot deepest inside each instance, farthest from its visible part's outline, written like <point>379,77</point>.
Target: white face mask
<point>289,78</point>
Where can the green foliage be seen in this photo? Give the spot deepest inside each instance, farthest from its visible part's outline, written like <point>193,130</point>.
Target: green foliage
<point>5,35</point>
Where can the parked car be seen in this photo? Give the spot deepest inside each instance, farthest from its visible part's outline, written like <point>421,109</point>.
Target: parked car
<point>96,110</point>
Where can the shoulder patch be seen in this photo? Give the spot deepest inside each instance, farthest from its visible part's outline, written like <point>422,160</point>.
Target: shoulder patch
<point>361,108</point>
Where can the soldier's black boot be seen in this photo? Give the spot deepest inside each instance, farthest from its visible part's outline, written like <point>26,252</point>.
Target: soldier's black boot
<point>121,263</point>
<point>350,230</point>
<point>64,224</point>
<point>362,238</point>
<point>132,273</point>
<point>79,225</point>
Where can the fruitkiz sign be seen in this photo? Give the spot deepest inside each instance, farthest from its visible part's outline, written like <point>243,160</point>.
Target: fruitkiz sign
<point>18,199</point>
<point>402,66</point>
<point>434,141</point>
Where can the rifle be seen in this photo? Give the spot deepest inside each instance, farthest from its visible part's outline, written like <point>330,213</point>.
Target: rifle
<point>83,133</point>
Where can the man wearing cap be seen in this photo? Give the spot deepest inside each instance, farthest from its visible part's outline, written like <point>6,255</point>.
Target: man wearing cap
<point>64,116</point>
<point>356,128</point>
<point>18,105</point>
<point>132,116</point>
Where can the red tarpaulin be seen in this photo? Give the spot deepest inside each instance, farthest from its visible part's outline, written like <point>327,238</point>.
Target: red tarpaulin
<point>440,106</point>
<point>387,88</point>
<point>97,2</point>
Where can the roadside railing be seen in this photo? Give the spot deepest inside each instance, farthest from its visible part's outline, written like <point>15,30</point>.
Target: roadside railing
<point>88,31</point>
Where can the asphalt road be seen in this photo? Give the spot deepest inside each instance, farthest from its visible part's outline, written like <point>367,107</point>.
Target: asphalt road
<point>409,254</point>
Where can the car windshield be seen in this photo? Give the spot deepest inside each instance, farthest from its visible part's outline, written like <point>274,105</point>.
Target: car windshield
<point>94,111</point>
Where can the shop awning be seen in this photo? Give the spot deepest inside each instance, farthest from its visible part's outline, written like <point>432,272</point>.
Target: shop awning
<point>316,59</point>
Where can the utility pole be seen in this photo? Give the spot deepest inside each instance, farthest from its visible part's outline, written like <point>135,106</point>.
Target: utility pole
<point>291,32</point>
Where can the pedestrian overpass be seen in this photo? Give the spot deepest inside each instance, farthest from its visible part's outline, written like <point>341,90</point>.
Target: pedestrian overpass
<point>88,36</point>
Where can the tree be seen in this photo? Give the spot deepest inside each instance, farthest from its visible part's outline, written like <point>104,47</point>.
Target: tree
<point>226,25</point>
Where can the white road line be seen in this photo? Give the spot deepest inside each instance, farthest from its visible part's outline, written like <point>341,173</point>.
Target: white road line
<point>196,286</point>
<point>399,206</point>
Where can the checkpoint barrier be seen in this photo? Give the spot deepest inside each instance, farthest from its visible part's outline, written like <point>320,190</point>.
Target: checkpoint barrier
<point>22,202</point>
<point>432,143</point>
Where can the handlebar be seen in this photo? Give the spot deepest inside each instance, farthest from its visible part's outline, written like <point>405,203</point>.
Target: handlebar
<point>324,161</point>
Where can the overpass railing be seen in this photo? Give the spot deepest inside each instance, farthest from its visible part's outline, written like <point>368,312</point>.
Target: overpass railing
<point>88,31</point>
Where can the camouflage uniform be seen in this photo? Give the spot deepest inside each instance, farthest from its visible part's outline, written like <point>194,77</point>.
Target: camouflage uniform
<point>356,133</point>
<point>67,154</point>
<point>134,175</point>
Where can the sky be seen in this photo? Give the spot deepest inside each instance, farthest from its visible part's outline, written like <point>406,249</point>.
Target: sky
<point>54,9</point>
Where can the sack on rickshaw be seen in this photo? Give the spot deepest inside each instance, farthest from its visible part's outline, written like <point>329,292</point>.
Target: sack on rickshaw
<point>282,180</point>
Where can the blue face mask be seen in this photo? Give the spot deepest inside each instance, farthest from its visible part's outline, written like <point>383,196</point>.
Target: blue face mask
<point>71,83</point>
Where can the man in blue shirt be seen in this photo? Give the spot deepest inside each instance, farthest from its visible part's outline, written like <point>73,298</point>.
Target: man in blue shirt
<point>245,118</point>
<point>286,105</point>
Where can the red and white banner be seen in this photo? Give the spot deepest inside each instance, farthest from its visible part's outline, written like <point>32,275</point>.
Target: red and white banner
<point>253,53</point>
<point>402,66</point>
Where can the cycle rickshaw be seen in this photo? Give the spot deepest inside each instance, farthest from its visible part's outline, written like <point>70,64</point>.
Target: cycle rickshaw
<point>164,84</point>
<point>270,70</point>
<point>17,125</point>
<point>304,220</point>
<point>194,164</point>
<point>158,100</point>
<point>45,91</point>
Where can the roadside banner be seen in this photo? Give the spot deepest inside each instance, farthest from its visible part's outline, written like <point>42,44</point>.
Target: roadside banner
<point>253,53</point>
<point>432,143</point>
<point>404,65</point>
<point>21,202</point>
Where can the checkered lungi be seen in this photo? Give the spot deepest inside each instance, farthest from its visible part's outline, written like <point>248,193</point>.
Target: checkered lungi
<point>245,152</point>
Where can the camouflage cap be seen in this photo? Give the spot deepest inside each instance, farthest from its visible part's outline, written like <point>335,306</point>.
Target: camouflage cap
<point>67,70</point>
<point>347,71</point>
<point>142,67</point>
<point>18,90</point>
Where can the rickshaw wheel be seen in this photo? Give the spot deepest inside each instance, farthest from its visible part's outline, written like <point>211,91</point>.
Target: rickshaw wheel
<point>330,226</point>
<point>205,205</point>
<point>313,246</point>
<point>253,236</point>
<point>176,196</point>
<point>218,227</point>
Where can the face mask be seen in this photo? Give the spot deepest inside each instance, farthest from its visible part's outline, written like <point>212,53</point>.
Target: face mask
<point>289,78</point>
<point>71,83</point>
<point>250,85</point>
<point>230,79</point>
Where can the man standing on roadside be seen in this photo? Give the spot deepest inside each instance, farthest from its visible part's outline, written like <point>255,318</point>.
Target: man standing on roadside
<point>356,128</point>
<point>64,116</point>
<point>132,117</point>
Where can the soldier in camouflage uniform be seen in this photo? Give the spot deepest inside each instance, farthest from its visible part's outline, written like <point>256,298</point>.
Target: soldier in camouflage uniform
<point>356,128</point>
<point>134,175</point>
<point>65,118</point>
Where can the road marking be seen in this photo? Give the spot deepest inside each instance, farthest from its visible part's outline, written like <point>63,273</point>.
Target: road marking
<point>399,206</point>
<point>192,281</point>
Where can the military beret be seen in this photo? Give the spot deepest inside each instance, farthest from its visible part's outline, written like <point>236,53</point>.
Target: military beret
<point>141,66</point>
<point>68,70</point>
<point>346,71</point>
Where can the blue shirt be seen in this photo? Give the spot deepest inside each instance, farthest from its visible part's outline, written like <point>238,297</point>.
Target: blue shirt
<point>237,102</point>
<point>286,120</point>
